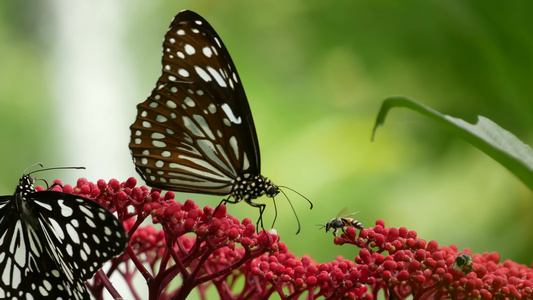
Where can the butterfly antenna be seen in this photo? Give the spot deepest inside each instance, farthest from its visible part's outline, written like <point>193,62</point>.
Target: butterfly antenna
<point>286,187</point>
<point>48,187</point>
<point>294,211</point>
<point>35,164</point>
<point>47,169</point>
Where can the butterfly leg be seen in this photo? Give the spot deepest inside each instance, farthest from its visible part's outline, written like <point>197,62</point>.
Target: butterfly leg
<point>53,185</point>
<point>223,202</point>
<point>261,207</point>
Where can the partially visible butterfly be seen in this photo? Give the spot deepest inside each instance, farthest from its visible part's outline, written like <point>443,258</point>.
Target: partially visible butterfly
<point>195,132</point>
<point>464,263</point>
<point>52,242</point>
<point>342,221</point>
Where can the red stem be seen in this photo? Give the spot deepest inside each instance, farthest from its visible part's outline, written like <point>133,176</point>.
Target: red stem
<point>140,267</point>
<point>107,284</point>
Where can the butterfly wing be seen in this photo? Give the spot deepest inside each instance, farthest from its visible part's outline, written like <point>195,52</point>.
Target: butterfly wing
<point>55,250</point>
<point>195,132</point>
<point>27,263</point>
<point>83,232</point>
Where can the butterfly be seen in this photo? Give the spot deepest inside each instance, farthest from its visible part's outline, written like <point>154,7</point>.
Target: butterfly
<point>342,221</point>
<point>52,242</point>
<point>195,132</point>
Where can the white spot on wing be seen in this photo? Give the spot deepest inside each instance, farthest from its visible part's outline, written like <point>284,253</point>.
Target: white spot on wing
<point>203,123</point>
<point>207,51</point>
<point>159,144</point>
<point>161,119</point>
<point>212,108</point>
<point>57,228</point>
<point>229,113</point>
<point>203,74</point>
<point>171,104</point>
<point>218,42</point>
<point>189,102</point>
<point>217,76</point>
<point>189,124</point>
<point>20,247</point>
<point>73,234</point>
<point>234,146</point>
<point>245,162</point>
<point>157,135</point>
<point>189,49</point>
<point>183,72</point>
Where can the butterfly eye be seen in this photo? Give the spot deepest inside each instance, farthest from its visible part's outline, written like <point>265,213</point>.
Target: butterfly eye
<point>195,132</point>
<point>272,191</point>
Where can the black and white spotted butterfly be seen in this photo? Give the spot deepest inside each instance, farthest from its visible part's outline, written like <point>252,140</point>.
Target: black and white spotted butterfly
<point>195,132</point>
<point>52,242</point>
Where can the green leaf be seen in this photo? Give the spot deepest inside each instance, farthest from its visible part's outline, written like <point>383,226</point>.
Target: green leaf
<point>485,135</point>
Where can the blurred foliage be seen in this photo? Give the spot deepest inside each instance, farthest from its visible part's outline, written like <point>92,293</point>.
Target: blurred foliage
<point>498,143</point>
<point>316,73</point>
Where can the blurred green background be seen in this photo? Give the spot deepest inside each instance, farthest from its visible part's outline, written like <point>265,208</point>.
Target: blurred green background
<point>315,72</point>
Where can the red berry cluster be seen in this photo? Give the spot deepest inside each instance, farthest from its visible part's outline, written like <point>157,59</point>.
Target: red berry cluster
<point>216,252</point>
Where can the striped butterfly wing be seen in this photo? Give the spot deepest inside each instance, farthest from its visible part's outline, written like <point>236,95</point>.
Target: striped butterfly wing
<point>195,132</point>
<point>27,263</point>
<point>52,242</point>
<point>83,231</point>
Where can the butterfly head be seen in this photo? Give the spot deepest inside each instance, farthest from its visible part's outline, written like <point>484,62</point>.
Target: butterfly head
<point>27,181</point>
<point>25,184</point>
<point>271,190</point>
